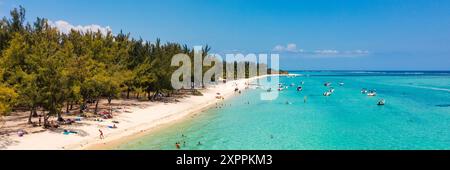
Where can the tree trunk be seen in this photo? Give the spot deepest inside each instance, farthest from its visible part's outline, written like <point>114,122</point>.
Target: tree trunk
<point>82,105</point>
<point>109,100</point>
<point>128,93</point>
<point>154,95</point>
<point>46,116</point>
<point>57,111</point>
<point>96,106</point>
<point>137,96</point>
<point>60,118</point>
<point>29,117</point>
<point>34,111</point>
<point>67,107</point>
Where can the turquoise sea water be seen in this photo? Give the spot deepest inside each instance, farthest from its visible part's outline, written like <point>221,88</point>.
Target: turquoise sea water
<point>416,116</point>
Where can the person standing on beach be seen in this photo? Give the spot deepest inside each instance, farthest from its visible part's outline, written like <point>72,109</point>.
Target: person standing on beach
<point>101,134</point>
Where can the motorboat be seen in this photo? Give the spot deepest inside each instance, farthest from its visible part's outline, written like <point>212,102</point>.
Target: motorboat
<point>372,93</point>
<point>381,102</point>
<point>327,84</point>
<point>299,88</point>
<point>332,90</point>
<point>327,93</point>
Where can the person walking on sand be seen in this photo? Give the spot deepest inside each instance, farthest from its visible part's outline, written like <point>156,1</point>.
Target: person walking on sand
<point>177,145</point>
<point>101,134</point>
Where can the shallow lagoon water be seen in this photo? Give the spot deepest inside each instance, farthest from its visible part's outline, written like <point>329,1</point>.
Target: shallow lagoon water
<point>416,116</point>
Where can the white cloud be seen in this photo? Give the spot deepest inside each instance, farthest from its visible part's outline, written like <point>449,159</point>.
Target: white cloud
<point>336,53</point>
<point>292,48</point>
<point>66,27</point>
<point>320,53</point>
<point>357,52</point>
<point>278,48</point>
<point>326,52</point>
<point>344,53</point>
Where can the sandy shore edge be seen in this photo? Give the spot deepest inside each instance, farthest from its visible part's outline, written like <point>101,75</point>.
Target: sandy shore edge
<point>208,100</point>
<point>116,139</point>
<point>140,122</point>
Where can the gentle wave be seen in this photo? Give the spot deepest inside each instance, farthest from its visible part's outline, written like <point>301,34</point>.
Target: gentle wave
<point>406,73</point>
<point>401,73</point>
<point>440,73</point>
<point>432,88</point>
<point>382,72</point>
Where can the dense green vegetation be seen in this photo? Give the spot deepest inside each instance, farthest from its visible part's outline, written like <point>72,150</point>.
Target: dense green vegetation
<point>43,69</point>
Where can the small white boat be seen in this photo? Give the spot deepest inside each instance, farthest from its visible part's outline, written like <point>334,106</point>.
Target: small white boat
<point>327,84</point>
<point>327,93</point>
<point>341,84</point>
<point>372,93</point>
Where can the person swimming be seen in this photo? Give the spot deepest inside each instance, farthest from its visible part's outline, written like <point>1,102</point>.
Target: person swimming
<point>382,102</point>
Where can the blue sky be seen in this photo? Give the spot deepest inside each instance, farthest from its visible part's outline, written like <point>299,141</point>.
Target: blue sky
<point>314,34</point>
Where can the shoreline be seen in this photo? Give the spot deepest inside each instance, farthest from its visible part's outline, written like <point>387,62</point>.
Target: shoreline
<point>113,143</point>
<point>140,122</point>
<point>146,129</point>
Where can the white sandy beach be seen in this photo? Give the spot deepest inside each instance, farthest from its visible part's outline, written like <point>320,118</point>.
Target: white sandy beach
<point>140,120</point>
